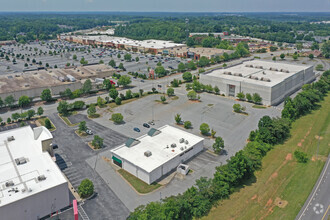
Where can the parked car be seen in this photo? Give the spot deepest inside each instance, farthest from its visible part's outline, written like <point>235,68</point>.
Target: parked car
<point>146,125</point>
<point>136,129</point>
<point>142,80</point>
<point>151,123</point>
<point>88,131</point>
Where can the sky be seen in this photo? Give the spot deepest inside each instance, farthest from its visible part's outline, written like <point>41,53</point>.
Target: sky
<point>168,5</point>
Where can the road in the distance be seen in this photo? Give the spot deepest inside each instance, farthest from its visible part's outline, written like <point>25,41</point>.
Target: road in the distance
<point>317,206</point>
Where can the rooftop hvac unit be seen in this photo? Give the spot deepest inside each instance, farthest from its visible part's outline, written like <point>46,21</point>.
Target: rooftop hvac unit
<point>186,142</point>
<point>41,177</point>
<point>181,140</point>
<point>254,77</point>
<point>181,148</point>
<point>147,153</point>
<point>11,138</point>
<point>20,161</point>
<point>9,183</point>
<point>173,145</point>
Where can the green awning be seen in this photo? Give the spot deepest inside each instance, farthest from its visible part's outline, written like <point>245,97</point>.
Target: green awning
<point>116,159</point>
<point>152,132</point>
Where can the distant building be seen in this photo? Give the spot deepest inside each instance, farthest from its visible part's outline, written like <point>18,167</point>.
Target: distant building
<point>32,186</point>
<point>157,153</point>
<point>273,81</point>
<point>316,53</point>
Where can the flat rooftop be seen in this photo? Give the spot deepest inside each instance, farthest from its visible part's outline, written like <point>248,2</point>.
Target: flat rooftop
<point>259,72</point>
<point>24,177</point>
<point>160,147</point>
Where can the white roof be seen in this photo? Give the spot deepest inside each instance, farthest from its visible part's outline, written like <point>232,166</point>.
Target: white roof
<point>27,144</point>
<point>253,71</point>
<point>160,147</point>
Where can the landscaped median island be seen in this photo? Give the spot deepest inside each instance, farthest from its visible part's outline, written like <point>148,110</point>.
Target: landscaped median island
<point>45,121</point>
<point>137,184</point>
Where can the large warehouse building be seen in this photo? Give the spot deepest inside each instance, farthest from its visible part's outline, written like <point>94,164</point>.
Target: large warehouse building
<point>31,184</point>
<point>157,153</point>
<point>273,81</point>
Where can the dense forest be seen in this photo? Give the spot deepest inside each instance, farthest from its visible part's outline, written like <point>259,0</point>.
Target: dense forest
<point>167,26</point>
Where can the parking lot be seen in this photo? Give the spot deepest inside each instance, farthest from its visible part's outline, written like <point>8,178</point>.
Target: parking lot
<point>60,53</point>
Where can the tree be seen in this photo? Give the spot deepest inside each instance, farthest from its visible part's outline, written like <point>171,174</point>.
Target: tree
<point>100,102</point>
<point>1,103</point>
<point>240,96</point>
<point>273,48</point>
<point>163,99</point>
<point>319,67</point>
<point>74,57</point>
<point>63,108</point>
<point>40,111</point>
<point>177,118</point>
<point>187,76</point>
<point>8,120</point>
<point>128,57</point>
<point>191,65</point>
<point>295,56</point>
<point>218,145</point>
<point>91,110</point>
<point>118,101</point>
<point>213,132</point>
<point>216,90</point>
<point>113,93</point>
<point>187,124</point>
<point>24,101</point>
<point>282,56</point>
<point>9,101</point>
<point>118,56</point>
<point>112,63</point>
<point>83,61</point>
<point>124,81</point>
<point>121,66</point>
<point>15,116</point>
<point>242,49</point>
<point>160,71</point>
<point>237,108</point>
<point>315,46</point>
<point>141,92</point>
<point>101,62</point>
<point>311,56</point>
<point>82,126</point>
<point>87,86</point>
<point>48,124</point>
<point>170,91</point>
<point>46,95</point>
<point>117,118</point>
<point>326,49</point>
<point>249,97</point>
<point>301,156</point>
<point>30,113</point>
<point>175,83</point>
<point>97,142</point>
<point>204,128</point>
<point>256,98</point>
<point>274,58</point>
<point>181,67</point>
<point>203,61</point>
<point>86,188</point>
<point>192,95</point>
<point>137,59</point>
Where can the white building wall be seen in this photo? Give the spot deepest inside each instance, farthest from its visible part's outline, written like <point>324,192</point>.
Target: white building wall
<point>38,205</point>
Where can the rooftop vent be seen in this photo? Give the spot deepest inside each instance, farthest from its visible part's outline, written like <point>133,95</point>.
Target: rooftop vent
<point>186,142</point>
<point>147,153</point>
<point>11,138</point>
<point>181,140</point>
<point>173,145</point>
<point>20,161</point>
<point>9,183</point>
<point>41,178</point>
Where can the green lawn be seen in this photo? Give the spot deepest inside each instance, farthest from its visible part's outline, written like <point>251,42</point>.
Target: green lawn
<point>259,106</point>
<point>66,119</point>
<point>281,176</point>
<point>138,184</point>
<point>42,123</point>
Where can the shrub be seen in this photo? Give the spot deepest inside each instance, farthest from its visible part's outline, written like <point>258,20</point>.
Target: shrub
<point>118,101</point>
<point>204,128</point>
<point>187,124</point>
<point>237,108</point>
<point>177,118</point>
<point>78,105</point>
<point>170,91</point>
<point>218,145</point>
<point>117,118</point>
<point>97,142</point>
<point>48,124</point>
<point>86,188</point>
<point>301,156</point>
